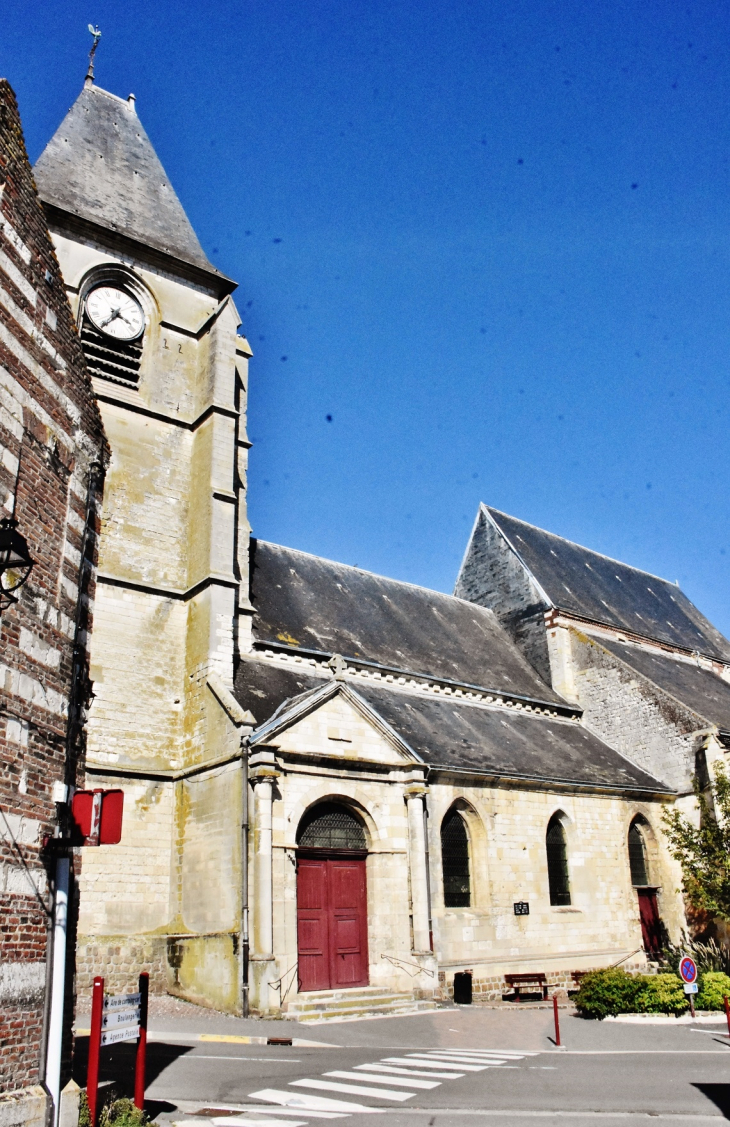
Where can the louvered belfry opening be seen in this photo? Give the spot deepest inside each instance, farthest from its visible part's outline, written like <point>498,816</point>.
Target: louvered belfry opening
<point>637,857</point>
<point>455,861</point>
<point>331,826</point>
<point>557,861</point>
<point>117,360</point>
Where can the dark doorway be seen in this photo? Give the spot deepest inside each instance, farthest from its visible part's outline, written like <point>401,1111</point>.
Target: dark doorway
<point>462,988</point>
<point>332,918</point>
<point>651,928</point>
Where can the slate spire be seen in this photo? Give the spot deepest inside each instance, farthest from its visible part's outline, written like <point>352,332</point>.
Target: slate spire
<point>100,166</point>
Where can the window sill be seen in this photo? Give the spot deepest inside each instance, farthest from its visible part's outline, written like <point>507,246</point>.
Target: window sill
<point>566,908</point>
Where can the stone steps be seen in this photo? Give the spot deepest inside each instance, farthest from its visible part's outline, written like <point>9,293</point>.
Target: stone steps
<point>340,1005</point>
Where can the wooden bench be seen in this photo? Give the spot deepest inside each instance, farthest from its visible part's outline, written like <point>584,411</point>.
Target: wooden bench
<point>520,981</point>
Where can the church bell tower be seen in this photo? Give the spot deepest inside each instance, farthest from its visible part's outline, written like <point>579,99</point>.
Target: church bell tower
<point>170,370</point>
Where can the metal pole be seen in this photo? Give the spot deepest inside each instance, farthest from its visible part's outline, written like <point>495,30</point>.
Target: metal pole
<point>727,1012</point>
<point>92,1069</point>
<point>140,1065</point>
<point>692,1006</point>
<point>557,1020</point>
<point>58,985</point>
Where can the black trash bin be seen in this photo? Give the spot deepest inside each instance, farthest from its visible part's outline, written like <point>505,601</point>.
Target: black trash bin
<point>462,988</point>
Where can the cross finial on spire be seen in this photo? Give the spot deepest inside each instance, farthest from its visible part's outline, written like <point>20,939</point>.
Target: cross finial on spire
<point>89,80</point>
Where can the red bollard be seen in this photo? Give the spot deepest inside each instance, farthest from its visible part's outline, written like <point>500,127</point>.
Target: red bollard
<point>92,1070</point>
<point>141,1061</point>
<point>727,1013</point>
<point>557,1020</point>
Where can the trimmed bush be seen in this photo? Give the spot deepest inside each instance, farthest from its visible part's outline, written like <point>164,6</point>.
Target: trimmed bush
<point>122,1113</point>
<point>607,992</point>
<point>661,994</point>
<point>713,985</point>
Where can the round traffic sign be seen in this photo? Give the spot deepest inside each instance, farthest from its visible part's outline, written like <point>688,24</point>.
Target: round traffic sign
<point>688,969</point>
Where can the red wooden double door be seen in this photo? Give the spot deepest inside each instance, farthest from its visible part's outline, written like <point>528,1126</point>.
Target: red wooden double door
<point>332,922</point>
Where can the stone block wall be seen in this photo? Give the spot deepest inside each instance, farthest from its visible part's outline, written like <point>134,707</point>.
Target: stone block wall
<point>629,712</point>
<point>52,455</point>
<point>493,576</point>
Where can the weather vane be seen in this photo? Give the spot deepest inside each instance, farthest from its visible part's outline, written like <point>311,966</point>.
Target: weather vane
<point>97,36</point>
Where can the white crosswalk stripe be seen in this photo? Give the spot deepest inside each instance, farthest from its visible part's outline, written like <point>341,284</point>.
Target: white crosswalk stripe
<point>351,1089</point>
<point>239,1121</point>
<point>282,1111</point>
<point>399,1081</point>
<point>459,1059</point>
<point>419,1062</point>
<point>380,1067</point>
<point>312,1103</point>
<point>464,1066</point>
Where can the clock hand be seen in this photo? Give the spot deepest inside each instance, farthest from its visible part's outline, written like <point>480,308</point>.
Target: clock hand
<point>114,313</point>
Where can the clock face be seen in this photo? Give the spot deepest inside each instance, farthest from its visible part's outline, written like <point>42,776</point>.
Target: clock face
<point>115,313</point>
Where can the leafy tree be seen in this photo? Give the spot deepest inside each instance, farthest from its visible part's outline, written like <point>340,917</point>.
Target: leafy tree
<point>704,852</point>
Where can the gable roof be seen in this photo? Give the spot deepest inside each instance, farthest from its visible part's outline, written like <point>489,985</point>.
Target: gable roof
<point>699,689</point>
<point>100,166</point>
<point>452,734</point>
<point>307,603</point>
<point>595,587</point>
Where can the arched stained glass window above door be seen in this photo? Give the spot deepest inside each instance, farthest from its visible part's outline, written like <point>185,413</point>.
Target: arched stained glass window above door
<point>331,826</point>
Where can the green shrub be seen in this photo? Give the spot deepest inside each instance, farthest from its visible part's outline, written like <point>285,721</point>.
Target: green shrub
<point>607,992</point>
<point>122,1113</point>
<point>114,1113</point>
<point>661,994</point>
<point>713,985</point>
<point>84,1117</point>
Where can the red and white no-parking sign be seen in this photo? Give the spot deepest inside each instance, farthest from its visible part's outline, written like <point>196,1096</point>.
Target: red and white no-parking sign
<point>688,974</point>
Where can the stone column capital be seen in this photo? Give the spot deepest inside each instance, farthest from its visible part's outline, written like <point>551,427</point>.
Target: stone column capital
<point>416,790</point>
<point>262,766</point>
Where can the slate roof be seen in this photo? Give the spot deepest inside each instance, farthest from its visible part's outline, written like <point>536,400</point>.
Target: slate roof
<point>100,165</point>
<point>593,586</point>
<point>314,604</point>
<point>699,689</point>
<point>450,734</point>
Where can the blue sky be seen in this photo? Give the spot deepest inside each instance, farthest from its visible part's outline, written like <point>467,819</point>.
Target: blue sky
<point>482,250</point>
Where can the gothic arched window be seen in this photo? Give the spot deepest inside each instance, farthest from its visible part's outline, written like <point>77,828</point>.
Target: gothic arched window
<point>331,826</point>
<point>637,856</point>
<point>557,861</point>
<point>455,861</point>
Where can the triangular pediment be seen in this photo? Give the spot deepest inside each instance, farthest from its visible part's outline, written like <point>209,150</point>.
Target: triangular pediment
<point>335,721</point>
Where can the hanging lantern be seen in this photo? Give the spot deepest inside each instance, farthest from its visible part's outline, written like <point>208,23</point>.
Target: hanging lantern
<point>16,562</point>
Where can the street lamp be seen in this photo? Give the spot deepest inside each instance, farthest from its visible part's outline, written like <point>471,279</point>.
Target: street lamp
<point>16,562</point>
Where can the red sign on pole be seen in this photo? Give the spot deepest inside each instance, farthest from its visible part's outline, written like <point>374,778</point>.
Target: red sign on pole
<point>98,816</point>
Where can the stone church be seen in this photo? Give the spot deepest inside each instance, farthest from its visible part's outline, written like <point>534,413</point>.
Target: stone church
<point>342,791</point>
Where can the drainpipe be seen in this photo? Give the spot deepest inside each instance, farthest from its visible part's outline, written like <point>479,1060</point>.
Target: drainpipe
<point>244,941</point>
<point>54,1050</point>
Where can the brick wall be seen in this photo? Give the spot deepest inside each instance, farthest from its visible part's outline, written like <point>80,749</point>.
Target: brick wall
<point>52,451</point>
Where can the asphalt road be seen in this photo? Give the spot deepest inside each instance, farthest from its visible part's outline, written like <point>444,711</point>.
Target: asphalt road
<point>475,1066</point>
